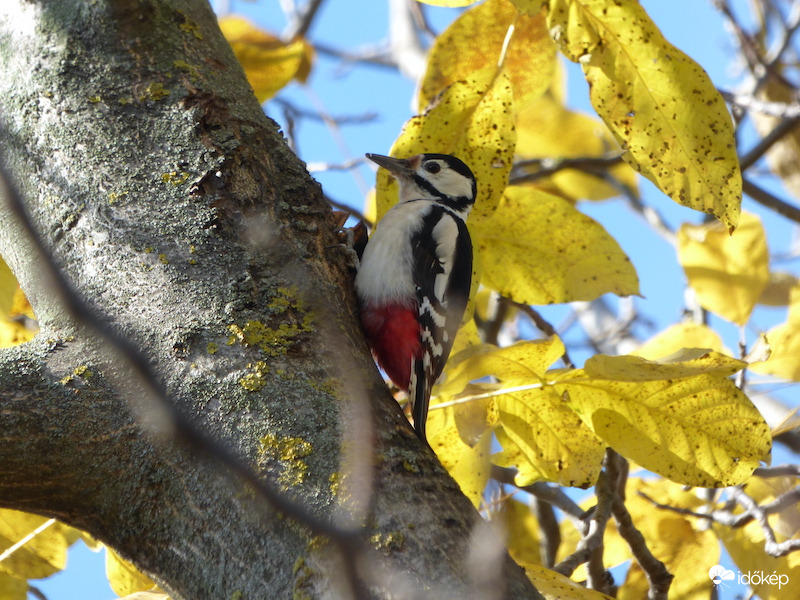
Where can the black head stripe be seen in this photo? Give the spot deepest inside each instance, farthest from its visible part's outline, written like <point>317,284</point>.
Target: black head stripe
<point>454,163</point>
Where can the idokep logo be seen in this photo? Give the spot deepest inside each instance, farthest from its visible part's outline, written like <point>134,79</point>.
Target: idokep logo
<point>719,575</point>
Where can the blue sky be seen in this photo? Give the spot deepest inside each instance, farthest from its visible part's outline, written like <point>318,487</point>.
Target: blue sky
<point>692,25</point>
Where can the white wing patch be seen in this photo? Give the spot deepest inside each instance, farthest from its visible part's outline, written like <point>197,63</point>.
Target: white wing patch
<point>445,233</point>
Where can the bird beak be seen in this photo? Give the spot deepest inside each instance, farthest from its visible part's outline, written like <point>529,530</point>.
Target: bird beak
<point>399,167</point>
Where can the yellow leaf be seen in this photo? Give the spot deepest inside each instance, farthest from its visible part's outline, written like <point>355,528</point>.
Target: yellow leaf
<point>554,586</point>
<point>543,439</point>
<point>676,337</point>
<point>547,129</point>
<point>521,531</point>
<point>468,465</point>
<point>688,363</point>
<point>746,547</point>
<point>528,7</point>
<point>728,272</point>
<point>699,430</point>
<point>44,553</point>
<point>13,588</point>
<point>539,249</point>
<point>473,120</point>
<point>124,578</point>
<point>268,62</point>
<point>526,361</point>
<point>8,287</point>
<point>475,41</point>
<point>658,102</point>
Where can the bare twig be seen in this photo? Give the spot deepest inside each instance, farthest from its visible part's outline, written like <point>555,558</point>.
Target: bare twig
<point>545,167</point>
<point>349,209</point>
<point>593,530</point>
<point>778,471</point>
<point>786,125</point>
<point>657,574</point>
<point>771,545</point>
<point>541,324</point>
<point>302,22</point>
<point>769,200</point>
<point>552,494</point>
<point>549,530</point>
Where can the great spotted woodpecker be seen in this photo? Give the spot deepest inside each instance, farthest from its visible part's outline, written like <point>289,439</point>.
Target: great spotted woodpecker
<point>414,278</point>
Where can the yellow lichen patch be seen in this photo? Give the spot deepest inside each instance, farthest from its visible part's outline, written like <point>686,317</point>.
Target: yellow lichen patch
<point>288,452</point>
<point>273,342</point>
<point>392,540</point>
<point>256,378</point>
<point>155,91</point>
<point>193,72</point>
<point>82,371</point>
<point>212,348</point>
<point>175,178</point>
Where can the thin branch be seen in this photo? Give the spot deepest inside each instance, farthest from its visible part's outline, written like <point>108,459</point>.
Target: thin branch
<point>778,471</point>
<point>657,574</point>
<point>547,492</point>
<point>773,109</point>
<point>771,201</point>
<point>550,532</point>
<point>786,125</point>
<point>302,22</point>
<point>541,324</point>
<point>349,210</point>
<point>593,531</point>
<point>771,545</point>
<point>545,167</point>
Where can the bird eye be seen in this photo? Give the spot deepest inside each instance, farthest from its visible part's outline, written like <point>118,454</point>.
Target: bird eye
<point>433,167</point>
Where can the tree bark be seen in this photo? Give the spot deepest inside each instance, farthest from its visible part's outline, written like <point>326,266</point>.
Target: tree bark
<point>183,222</point>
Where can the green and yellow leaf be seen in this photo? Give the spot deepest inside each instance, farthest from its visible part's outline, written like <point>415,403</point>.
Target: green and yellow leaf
<point>728,272</point>
<point>269,62</point>
<point>659,103</point>
<point>538,248</point>
<point>475,41</point>
<point>473,120</point>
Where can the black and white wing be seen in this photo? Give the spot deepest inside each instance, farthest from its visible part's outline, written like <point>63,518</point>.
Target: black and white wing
<point>442,252</point>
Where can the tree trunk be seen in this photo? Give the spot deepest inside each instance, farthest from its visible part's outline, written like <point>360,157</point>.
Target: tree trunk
<point>180,218</point>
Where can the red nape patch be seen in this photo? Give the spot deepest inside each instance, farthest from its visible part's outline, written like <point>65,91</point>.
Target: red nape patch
<point>393,334</point>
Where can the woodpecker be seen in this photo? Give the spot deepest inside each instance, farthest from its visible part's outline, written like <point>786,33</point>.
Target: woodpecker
<point>415,273</point>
